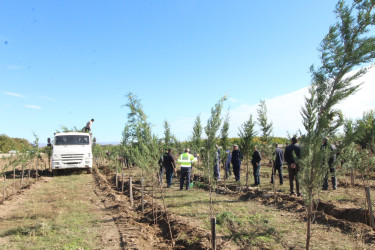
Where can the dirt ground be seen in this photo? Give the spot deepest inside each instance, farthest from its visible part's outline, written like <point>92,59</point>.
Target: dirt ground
<point>254,220</point>
<point>90,212</point>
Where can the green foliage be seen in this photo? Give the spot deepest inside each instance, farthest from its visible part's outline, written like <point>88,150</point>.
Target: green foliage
<point>65,129</point>
<point>247,135</point>
<point>211,129</point>
<point>7,143</point>
<point>196,139</point>
<point>344,47</point>
<point>167,135</point>
<point>365,130</point>
<point>224,140</point>
<point>266,128</point>
<point>140,145</point>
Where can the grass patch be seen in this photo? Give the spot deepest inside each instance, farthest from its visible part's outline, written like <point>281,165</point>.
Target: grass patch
<point>58,215</point>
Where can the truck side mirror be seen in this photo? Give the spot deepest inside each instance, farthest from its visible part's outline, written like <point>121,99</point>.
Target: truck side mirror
<point>49,142</point>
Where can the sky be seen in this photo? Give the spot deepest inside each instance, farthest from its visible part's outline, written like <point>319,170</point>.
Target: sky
<point>65,62</point>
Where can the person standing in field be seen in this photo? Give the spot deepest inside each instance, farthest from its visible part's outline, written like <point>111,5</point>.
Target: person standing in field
<point>278,164</point>
<point>236,160</point>
<point>87,128</point>
<point>186,160</point>
<point>217,163</point>
<point>332,167</point>
<point>293,167</point>
<point>227,163</point>
<point>169,164</point>
<point>255,161</point>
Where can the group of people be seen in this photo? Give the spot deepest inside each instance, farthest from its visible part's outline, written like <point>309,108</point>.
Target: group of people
<point>168,163</point>
<point>235,158</point>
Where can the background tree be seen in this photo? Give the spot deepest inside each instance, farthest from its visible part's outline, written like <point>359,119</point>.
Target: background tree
<point>167,135</point>
<point>266,129</point>
<point>247,135</point>
<point>224,143</point>
<point>365,129</point>
<point>344,47</point>
<point>211,129</point>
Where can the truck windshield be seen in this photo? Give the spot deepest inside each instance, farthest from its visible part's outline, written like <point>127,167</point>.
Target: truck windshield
<point>72,140</point>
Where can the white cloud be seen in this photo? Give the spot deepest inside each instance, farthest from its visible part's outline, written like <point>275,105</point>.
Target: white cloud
<point>14,67</point>
<point>13,94</point>
<point>47,98</point>
<point>233,100</point>
<point>284,111</point>
<point>32,106</point>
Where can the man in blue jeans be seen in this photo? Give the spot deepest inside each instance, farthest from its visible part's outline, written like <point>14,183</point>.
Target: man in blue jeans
<point>255,160</point>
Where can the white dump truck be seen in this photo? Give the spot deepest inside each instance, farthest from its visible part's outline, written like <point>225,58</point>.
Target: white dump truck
<point>72,150</point>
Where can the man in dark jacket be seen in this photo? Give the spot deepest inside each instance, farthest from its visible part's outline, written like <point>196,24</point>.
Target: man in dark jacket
<point>332,167</point>
<point>278,164</point>
<point>236,162</point>
<point>255,161</point>
<point>293,168</point>
<point>169,164</point>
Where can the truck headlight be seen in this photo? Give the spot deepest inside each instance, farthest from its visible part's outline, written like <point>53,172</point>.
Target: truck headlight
<point>54,155</point>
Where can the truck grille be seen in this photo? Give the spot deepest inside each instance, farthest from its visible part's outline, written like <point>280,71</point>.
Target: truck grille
<point>72,158</point>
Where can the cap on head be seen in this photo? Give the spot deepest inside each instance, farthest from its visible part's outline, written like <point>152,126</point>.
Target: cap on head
<point>92,119</point>
<point>187,150</point>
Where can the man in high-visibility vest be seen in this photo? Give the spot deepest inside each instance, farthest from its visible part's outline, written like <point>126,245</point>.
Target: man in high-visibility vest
<point>186,160</point>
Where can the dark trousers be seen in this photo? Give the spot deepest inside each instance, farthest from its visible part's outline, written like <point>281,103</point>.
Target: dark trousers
<point>169,173</point>
<point>256,170</point>
<point>161,173</point>
<point>293,172</point>
<point>279,169</point>
<point>332,172</point>
<point>185,174</point>
<point>227,170</point>
<point>237,171</point>
<point>217,171</point>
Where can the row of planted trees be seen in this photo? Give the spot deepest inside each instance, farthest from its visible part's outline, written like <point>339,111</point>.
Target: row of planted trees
<point>346,46</point>
<point>27,162</point>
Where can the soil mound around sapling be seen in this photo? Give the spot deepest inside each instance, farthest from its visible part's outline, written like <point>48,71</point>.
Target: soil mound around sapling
<point>186,235</point>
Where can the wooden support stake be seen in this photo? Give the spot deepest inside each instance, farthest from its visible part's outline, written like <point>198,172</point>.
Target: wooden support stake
<point>352,177</point>
<point>28,174</point>
<point>116,179</point>
<point>274,182</point>
<point>131,191</point>
<point>213,233</point>
<point>14,177</point>
<point>5,182</point>
<point>36,169</point>
<point>371,215</point>
<point>122,178</point>
<point>143,203</point>
<point>23,172</point>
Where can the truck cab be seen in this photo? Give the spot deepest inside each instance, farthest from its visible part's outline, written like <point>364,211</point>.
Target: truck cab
<point>72,150</point>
